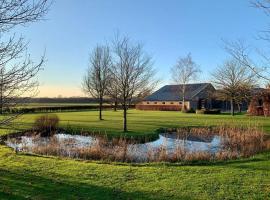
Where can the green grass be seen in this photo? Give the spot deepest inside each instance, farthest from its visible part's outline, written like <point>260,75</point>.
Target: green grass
<point>37,177</point>
<point>141,123</point>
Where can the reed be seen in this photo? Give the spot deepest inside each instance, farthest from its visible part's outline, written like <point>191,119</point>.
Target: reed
<point>46,124</point>
<point>236,142</point>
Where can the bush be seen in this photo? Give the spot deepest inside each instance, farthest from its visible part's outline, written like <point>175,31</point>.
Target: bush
<point>191,110</point>
<point>206,111</point>
<point>46,124</point>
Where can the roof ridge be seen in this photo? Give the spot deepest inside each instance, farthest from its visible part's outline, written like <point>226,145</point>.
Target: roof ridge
<point>188,84</point>
<point>200,89</point>
<point>173,93</point>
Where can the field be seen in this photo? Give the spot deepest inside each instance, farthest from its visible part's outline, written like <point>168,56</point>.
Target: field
<point>37,177</point>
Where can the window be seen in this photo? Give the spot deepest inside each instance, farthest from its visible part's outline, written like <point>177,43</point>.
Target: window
<point>155,102</point>
<point>163,102</point>
<point>180,102</point>
<point>172,103</point>
<point>147,102</point>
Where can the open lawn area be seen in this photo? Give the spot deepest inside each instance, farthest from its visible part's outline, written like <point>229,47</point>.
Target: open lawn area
<point>38,177</point>
<point>140,123</point>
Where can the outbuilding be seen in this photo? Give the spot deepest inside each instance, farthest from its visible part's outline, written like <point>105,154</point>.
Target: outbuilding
<point>170,97</point>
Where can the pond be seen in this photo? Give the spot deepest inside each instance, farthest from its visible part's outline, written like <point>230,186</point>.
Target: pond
<point>89,147</point>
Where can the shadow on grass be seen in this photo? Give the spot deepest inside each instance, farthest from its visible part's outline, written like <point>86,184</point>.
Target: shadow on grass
<point>257,162</point>
<point>22,185</point>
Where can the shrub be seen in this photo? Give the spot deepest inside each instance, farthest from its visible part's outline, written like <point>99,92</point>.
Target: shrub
<point>191,110</point>
<point>46,124</point>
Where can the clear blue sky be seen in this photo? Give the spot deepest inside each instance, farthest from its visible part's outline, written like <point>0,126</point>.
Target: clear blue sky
<point>168,29</point>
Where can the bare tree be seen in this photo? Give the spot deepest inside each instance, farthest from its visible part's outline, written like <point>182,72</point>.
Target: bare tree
<point>21,12</point>
<point>262,4</point>
<point>17,70</point>
<point>185,71</point>
<point>234,82</point>
<point>132,70</point>
<point>241,52</point>
<point>17,79</point>
<point>97,78</point>
<point>113,92</point>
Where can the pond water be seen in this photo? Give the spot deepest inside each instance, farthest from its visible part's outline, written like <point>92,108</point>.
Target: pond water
<point>69,144</point>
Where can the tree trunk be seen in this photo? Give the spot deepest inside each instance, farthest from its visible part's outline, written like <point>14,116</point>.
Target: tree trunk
<point>239,108</point>
<point>1,98</point>
<point>125,118</point>
<point>232,107</point>
<point>1,94</point>
<point>115,105</point>
<point>1,103</point>
<point>183,104</point>
<point>100,108</point>
<point>1,108</point>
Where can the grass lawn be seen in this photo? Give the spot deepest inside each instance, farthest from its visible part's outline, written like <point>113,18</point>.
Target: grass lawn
<point>141,123</point>
<point>37,177</point>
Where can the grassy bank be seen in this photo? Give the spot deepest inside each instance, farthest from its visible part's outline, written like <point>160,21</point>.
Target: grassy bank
<point>36,177</point>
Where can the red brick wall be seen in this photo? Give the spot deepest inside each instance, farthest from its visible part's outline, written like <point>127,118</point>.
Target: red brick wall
<point>159,107</point>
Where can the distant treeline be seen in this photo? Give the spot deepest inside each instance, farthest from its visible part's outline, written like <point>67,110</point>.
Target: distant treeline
<point>64,100</point>
<point>61,108</point>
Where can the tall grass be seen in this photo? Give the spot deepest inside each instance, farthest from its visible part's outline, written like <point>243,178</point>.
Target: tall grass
<point>47,124</point>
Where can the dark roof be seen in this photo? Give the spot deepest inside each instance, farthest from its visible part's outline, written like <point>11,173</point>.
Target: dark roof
<point>257,90</point>
<point>174,93</point>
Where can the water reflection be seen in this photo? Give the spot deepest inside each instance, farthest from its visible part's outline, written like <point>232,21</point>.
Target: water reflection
<point>170,143</point>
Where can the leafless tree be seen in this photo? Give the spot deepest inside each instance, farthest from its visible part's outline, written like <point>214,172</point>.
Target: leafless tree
<point>113,92</point>
<point>241,52</point>
<point>132,70</point>
<point>97,78</point>
<point>185,71</point>
<point>234,82</point>
<point>21,12</point>
<point>17,70</point>
<point>262,4</point>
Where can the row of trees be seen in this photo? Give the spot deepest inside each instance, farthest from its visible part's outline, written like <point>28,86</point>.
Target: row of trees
<point>121,71</point>
<point>233,80</point>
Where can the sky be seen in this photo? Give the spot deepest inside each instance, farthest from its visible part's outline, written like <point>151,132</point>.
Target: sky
<point>168,29</point>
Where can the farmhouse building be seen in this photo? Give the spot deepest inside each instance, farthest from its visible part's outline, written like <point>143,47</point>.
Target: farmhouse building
<point>170,97</point>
